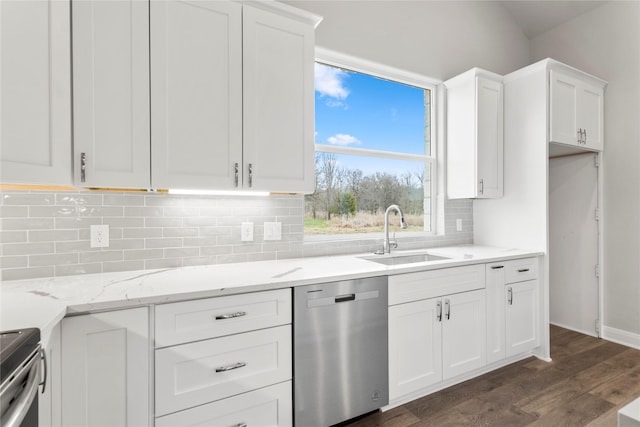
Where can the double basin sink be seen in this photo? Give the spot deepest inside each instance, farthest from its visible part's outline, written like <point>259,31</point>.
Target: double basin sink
<point>401,259</point>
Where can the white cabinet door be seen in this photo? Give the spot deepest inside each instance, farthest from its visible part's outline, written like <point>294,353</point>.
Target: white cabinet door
<point>278,110</point>
<point>522,330</point>
<point>490,138</point>
<point>415,346</point>
<point>111,93</point>
<point>576,111</point>
<point>35,92</point>
<point>105,369</point>
<point>464,341</point>
<point>268,406</point>
<point>196,94</point>
<point>475,135</point>
<point>590,116</point>
<point>495,276</point>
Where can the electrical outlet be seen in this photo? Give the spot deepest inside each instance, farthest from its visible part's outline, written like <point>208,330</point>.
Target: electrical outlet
<point>458,224</point>
<point>100,236</point>
<point>272,231</point>
<point>246,232</point>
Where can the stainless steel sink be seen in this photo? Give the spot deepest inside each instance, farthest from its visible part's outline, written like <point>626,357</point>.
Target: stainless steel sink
<point>403,259</point>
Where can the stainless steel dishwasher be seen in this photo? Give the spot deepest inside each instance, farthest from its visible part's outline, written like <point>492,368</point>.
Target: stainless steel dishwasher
<point>340,350</point>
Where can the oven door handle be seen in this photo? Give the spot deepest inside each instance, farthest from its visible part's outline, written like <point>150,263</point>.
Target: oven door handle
<point>14,416</point>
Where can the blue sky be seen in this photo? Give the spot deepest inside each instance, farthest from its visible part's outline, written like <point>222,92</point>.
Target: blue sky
<point>362,111</point>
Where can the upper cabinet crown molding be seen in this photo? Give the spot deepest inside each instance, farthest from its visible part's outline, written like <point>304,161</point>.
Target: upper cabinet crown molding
<point>35,93</point>
<point>284,10</point>
<point>475,135</point>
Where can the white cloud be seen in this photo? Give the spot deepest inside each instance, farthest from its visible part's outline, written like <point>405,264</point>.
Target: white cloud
<point>343,139</point>
<point>330,81</point>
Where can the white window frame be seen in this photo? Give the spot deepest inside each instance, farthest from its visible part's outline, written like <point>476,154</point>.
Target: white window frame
<point>352,63</point>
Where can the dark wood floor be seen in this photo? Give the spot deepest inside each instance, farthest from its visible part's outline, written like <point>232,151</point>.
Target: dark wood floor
<point>585,385</point>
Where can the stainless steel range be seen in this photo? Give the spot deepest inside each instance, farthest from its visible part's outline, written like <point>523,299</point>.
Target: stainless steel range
<point>19,377</point>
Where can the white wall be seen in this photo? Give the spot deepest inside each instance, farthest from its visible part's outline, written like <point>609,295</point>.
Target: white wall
<point>606,42</point>
<point>438,39</point>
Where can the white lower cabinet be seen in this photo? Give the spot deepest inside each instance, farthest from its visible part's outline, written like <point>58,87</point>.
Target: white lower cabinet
<point>105,369</point>
<point>432,340</point>
<point>512,308</point>
<point>522,317</point>
<point>205,371</point>
<point>225,361</point>
<point>268,406</point>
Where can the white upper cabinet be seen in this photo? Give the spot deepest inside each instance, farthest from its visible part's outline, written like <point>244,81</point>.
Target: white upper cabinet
<point>111,93</point>
<point>576,109</point>
<point>230,104</point>
<point>35,92</point>
<point>278,61</point>
<point>474,135</point>
<point>196,94</point>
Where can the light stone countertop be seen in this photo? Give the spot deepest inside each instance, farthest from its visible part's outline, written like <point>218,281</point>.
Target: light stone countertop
<point>42,303</point>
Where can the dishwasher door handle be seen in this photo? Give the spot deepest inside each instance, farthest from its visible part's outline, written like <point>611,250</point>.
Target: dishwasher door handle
<point>335,299</point>
<point>345,298</point>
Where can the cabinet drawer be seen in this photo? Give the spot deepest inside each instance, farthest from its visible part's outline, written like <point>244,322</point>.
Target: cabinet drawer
<point>269,406</point>
<point>201,372</point>
<point>519,270</point>
<point>434,283</point>
<point>188,321</point>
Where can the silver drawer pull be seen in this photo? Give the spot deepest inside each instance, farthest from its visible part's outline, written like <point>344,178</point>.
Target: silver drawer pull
<point>230,367</point>
<point>241,425</point>
<point>231,315</point>
<point>497,267</point>
<point>523,270</point>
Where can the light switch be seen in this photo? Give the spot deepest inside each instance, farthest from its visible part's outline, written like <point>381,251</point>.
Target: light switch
<point>272,231</point>
<point>246,232</point>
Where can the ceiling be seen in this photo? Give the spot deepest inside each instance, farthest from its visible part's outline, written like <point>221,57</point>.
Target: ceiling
<point>536,17</point>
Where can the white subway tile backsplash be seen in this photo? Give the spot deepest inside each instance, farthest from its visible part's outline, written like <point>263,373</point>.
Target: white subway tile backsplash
<point>62,259</point>
<point>27,248</point>
<point>47,233</point>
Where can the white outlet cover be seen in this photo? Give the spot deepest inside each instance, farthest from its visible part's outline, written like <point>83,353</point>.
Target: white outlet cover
<point>100,236</point>
<point>246,232</point>
<point>272,231</point>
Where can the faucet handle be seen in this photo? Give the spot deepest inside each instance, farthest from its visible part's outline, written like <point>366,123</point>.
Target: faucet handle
<point>393,243</point>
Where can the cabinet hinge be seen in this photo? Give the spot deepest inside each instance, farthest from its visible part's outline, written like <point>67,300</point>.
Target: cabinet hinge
<point>597,270</point>
<point>596,161</point>
<point>597,214</point>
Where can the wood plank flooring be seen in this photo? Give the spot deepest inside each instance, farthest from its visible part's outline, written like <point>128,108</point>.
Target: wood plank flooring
<point>585,385</point>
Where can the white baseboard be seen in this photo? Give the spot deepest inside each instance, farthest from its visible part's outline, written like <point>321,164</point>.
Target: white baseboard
<point>619,336</point>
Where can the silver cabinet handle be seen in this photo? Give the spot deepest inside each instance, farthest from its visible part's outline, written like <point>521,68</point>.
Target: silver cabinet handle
<point>447,309</point>
<point>523,270</point>
<point>230,315</point>
<point>236,171</point>
<point>510,295</point>
<point>250,175</point>
<point>481,189</point>
<point>43,356</point>
<point>585,136</point>
<point>241,425</point>
<point>580,136</point>
<point>83,167</point>
<point>439,311</point>
<point>231,367</point>
<point>497,267</point>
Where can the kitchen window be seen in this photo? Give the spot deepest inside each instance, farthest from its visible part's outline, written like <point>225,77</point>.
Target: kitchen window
<point>374,147</point>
